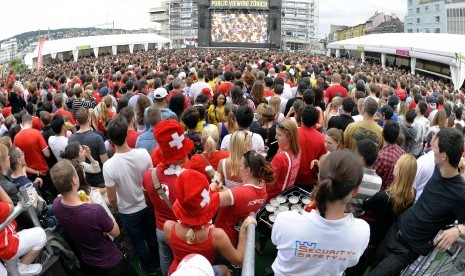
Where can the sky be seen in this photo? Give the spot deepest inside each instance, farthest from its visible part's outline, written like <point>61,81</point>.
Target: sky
<point>22,16</point>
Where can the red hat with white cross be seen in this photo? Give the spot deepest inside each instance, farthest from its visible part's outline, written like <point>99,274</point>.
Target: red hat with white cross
<point>173,144</point>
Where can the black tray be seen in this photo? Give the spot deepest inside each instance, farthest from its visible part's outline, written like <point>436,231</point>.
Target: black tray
<point>264,225</point>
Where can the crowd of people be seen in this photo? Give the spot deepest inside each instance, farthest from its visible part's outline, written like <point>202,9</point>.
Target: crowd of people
<point>177,148</point>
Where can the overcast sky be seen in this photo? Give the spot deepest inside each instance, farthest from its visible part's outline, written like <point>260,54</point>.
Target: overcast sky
<point>21,16</point>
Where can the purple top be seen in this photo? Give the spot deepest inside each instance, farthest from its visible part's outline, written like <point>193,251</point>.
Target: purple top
<point>85,225</point>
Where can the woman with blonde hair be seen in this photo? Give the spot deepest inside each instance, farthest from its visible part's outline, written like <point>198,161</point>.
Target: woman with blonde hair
<point>211,155</point>
<point>286,163</point>
<point>383,208</point>
<point>228,168</point>
<point>228,127</point>
<point>106,113</point>
<point>142,103</point>
<point>334,140</point>
<point>439,122</point>
<point>275,103</point>
<point>332,110</point>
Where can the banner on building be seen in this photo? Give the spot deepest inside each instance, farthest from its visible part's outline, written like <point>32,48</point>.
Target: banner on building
<point>239,4</point>
<point>39,52</point>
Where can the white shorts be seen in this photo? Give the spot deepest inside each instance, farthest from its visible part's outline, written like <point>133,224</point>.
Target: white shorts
<point>30,239</point>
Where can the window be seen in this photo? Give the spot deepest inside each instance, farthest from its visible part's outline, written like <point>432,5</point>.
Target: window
<point>409,31</point>
<point>418,30</point>
<point>437,30</point>
<point>426,30</point>
<point>436,19</point>
<point>418,10</point>
<point>436,7</point>
<point>410,2</point>
<point>426,8</point>
<point>418,20</point>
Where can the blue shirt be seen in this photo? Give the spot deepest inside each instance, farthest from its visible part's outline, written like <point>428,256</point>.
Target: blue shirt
<point>146,140</point>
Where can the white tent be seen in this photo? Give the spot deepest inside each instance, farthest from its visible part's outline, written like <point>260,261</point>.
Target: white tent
<point>447,49</point>
<point>95,45</point>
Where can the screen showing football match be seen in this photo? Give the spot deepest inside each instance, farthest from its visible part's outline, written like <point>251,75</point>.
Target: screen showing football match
<point>239,27</point>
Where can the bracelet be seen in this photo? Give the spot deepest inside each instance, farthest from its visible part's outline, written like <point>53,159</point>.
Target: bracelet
<point>458,229</point>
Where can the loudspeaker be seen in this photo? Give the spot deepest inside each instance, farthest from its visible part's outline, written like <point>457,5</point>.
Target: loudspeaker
<point>203,3</point>
<point>203,32</point>
<point>275,4</point>
<point>275,22</point>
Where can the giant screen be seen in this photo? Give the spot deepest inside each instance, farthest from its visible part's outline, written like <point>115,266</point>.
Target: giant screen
<point>239,27</point>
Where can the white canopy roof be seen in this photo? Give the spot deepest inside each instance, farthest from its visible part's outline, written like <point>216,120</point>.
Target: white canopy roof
<point>443,48</point>
<point>89,42</point>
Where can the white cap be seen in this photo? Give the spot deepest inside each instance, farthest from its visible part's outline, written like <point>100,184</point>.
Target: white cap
<point>160,93</point>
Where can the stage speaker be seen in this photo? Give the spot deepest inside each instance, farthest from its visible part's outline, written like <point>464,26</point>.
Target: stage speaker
<point>275,22</point>
<point>203,19</point>
<point>275,4</point>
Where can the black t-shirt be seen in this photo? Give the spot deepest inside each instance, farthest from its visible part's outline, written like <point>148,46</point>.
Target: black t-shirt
<point>97,147</point>
<point>290,103</point>
<point>441,203</point>
<point>340,122</point>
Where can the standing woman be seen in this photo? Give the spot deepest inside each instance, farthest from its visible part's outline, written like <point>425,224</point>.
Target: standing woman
<point>142,103</point>
<point>267,130</point>
<point>258,93</point>
<point>326,228</point>
<point>211,155</point>
<point>106,113</point>
<point>286,162</point>
<point>230,126</point>
<point>229,168</point>
<point>216,110</point>
<point>383,208</point>
<point>334,140</point>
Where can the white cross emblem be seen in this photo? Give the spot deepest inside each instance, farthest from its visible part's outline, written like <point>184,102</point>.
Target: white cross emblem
<point>206,198</point>
<point>177,140</point>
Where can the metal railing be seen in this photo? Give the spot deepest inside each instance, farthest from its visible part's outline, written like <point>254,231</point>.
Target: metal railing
<point>248,265</point>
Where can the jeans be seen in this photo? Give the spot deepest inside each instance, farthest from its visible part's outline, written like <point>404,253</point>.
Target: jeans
<point>140,227</point>
<point>393,255</point>
<point>166,255</point>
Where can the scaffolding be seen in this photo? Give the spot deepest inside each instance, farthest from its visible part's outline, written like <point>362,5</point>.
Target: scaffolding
<point>183,21</point>
<point>299,25</point>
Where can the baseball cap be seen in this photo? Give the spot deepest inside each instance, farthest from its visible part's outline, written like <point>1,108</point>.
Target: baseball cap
<point>160,93</point>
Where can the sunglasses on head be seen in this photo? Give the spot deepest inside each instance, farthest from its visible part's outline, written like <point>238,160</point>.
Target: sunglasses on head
<point>281,126</point>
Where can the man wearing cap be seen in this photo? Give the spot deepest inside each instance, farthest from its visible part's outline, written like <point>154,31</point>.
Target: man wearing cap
<point>432,106</point>
<point>172,153</point>
<point>159,97</point>
<point>123,178</point>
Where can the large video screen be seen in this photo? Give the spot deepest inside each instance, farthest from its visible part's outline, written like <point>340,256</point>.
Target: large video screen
<point>237,27</point>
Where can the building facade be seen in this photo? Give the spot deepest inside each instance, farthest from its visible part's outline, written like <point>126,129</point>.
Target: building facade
<point>299,23</point>
<point>351,32</point>
<point>8,50</point>
<point>455,14</point>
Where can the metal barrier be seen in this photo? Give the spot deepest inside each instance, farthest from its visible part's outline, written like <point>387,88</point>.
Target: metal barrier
<point>248,265</point>
<point>23,204</point>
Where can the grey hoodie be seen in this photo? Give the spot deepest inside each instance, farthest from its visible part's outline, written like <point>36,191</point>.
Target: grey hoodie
<point>409,133</point>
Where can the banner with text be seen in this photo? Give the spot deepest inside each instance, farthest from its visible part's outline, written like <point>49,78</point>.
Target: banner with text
<point>39,52</point>
<point>239,4</point>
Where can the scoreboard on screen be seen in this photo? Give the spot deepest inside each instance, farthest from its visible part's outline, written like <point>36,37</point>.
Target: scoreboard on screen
<point>239,4</point>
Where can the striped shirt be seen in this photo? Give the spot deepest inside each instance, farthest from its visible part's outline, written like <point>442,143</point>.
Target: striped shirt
<point>371,184</point>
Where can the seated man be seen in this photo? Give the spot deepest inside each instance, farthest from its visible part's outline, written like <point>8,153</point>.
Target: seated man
<point>87,224</point>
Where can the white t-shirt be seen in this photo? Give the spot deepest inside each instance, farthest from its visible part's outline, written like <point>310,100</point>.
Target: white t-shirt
<point>57,144</point>
<point>425,169</point>
<point>197,87</point>
<point>257,142</point>
<point>308,244</point>
<point>125,171</point>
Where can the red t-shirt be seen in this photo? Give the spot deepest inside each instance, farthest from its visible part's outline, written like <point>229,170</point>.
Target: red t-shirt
<point>9,240</point>
<point>101,125</point>
<point>314,143</point>
<point>132,138</point>
<point>280,164</point>
<point>32,143</point>
<point>245,199</point>
<point>224,88</point>
<point>162,211</point>
<point>66,113</point>
<point>269,93</point>
<point>198,163</point>
<point>335,89</point>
